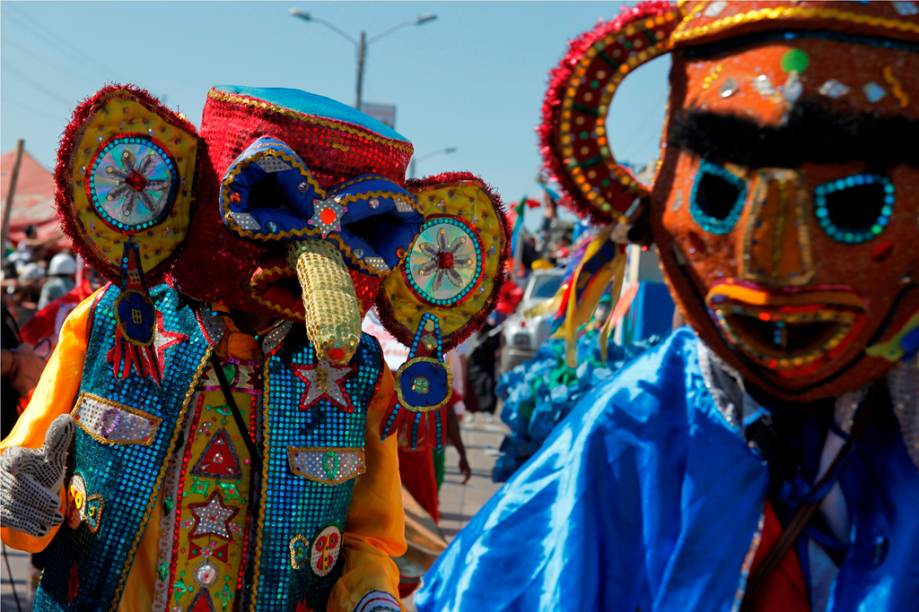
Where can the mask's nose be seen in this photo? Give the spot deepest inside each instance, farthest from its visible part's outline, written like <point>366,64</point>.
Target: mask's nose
<point>776,246</point>
<point>333,313</point>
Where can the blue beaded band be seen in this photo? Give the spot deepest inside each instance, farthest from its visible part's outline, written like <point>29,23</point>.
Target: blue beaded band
<point>711,224</point>
<point>850,236</point>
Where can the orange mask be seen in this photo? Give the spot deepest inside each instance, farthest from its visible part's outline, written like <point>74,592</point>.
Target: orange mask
<point>784,208</point>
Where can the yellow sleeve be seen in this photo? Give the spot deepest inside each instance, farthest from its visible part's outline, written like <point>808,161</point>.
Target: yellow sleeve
<point>53,396</point>
<point>375,531</point>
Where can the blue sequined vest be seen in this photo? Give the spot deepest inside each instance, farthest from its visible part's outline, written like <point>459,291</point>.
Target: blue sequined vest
<point>129,428</point>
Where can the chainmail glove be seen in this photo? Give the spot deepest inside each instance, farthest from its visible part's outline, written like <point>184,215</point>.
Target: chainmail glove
<point>30,481</point>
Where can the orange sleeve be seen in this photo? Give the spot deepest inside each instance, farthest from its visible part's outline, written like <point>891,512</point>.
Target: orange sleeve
<point>375,531</point>
<point>53,396</point>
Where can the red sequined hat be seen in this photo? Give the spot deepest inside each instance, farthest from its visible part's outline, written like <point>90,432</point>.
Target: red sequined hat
<point>335,142</point>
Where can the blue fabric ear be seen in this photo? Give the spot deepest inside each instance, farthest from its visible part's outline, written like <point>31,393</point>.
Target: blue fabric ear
<point>268,192</point>
<point>381,218</point>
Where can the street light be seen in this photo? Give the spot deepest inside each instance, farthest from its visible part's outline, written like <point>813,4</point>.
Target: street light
<point>413,165</point>
<point>361,43</point>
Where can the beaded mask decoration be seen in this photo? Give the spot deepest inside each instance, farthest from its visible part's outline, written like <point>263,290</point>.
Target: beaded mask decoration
<point>783,210</point>
<point>302,212</point>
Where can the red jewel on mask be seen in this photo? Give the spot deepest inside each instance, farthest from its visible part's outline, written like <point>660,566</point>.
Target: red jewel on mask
<point>336,354</point>
<point>882,251</point>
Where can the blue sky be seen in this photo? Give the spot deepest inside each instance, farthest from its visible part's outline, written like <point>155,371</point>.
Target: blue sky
<point>473,79</point>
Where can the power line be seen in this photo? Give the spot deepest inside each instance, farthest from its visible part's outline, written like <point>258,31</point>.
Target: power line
<point>7,41</point>
<point>63,45</point>
<point>31,109</point>
<point>38,86</point>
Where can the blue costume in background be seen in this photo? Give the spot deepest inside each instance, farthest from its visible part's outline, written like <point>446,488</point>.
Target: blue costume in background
<point>648,497</point>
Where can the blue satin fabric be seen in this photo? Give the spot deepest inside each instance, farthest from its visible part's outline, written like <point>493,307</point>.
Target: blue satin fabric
<point>646,498</point>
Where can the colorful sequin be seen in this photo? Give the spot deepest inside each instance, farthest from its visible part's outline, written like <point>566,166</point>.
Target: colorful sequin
<point>325,550</point>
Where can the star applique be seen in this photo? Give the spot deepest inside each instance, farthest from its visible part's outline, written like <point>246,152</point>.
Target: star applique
<point>323,380</point>
<point>327,215</point>
<point>163,339</point>
<point>212,517</point>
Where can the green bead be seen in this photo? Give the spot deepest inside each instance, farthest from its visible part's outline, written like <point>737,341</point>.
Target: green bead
<point>795,60</point>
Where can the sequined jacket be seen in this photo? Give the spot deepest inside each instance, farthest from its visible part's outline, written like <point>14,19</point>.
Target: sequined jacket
<point>127,428</point>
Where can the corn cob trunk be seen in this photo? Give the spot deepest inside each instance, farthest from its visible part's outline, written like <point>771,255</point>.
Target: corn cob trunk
<point>333,317</point>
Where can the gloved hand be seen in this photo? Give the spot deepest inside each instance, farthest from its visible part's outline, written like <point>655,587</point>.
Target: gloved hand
<point>31,479</point>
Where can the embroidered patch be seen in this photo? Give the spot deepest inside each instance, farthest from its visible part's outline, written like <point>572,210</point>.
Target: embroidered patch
<point>218,459</point>
<point>109,422</point>
<point>445,262</point>
<point>325,550</point>
<point>299,551</point>
<point>202,602</point>
<point>323,380</point>
<point>326,465</point>
<point>213,517</point>
<point>133,182</point>
<point>86,508</point>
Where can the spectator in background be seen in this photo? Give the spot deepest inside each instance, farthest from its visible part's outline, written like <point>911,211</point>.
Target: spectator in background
<point>24,290</point>
<point>21,367</point>
<point>61,271</point>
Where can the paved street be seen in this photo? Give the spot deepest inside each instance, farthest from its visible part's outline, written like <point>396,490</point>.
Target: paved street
<point>19,563</point>
<point>482,435</point>
<point>458,502</point>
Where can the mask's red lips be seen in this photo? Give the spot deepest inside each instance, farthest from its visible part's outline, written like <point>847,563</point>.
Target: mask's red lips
<point>794,331</point>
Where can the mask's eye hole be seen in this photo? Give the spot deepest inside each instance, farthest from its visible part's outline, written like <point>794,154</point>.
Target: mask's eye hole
<point>855,208</point>
<point>717,198</point>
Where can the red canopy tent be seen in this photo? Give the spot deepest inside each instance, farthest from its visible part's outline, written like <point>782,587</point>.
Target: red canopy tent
<point>33,202</point>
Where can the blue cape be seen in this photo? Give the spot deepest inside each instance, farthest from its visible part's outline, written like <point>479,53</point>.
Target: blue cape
<point>645,497</point>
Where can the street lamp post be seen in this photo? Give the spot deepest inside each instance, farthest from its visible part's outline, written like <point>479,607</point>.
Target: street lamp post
<point>361,43</point>
<point>413,166</point>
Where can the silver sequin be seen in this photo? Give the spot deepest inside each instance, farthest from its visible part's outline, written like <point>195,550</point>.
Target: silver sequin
<point>114,422</point>
<point>272,164</point>
<point>834,89</point>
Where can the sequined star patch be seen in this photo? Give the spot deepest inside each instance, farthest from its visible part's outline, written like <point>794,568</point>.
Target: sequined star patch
<point>327,215</point>
<point>212,517</point>
<point>323,380</point>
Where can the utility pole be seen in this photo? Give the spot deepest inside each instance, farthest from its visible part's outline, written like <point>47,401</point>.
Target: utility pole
<point>361,43</point>
<point>11,192</point>
<point>361,59</point>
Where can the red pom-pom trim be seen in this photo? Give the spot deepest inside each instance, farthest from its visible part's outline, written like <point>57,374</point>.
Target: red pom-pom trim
<point>560,79</point>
